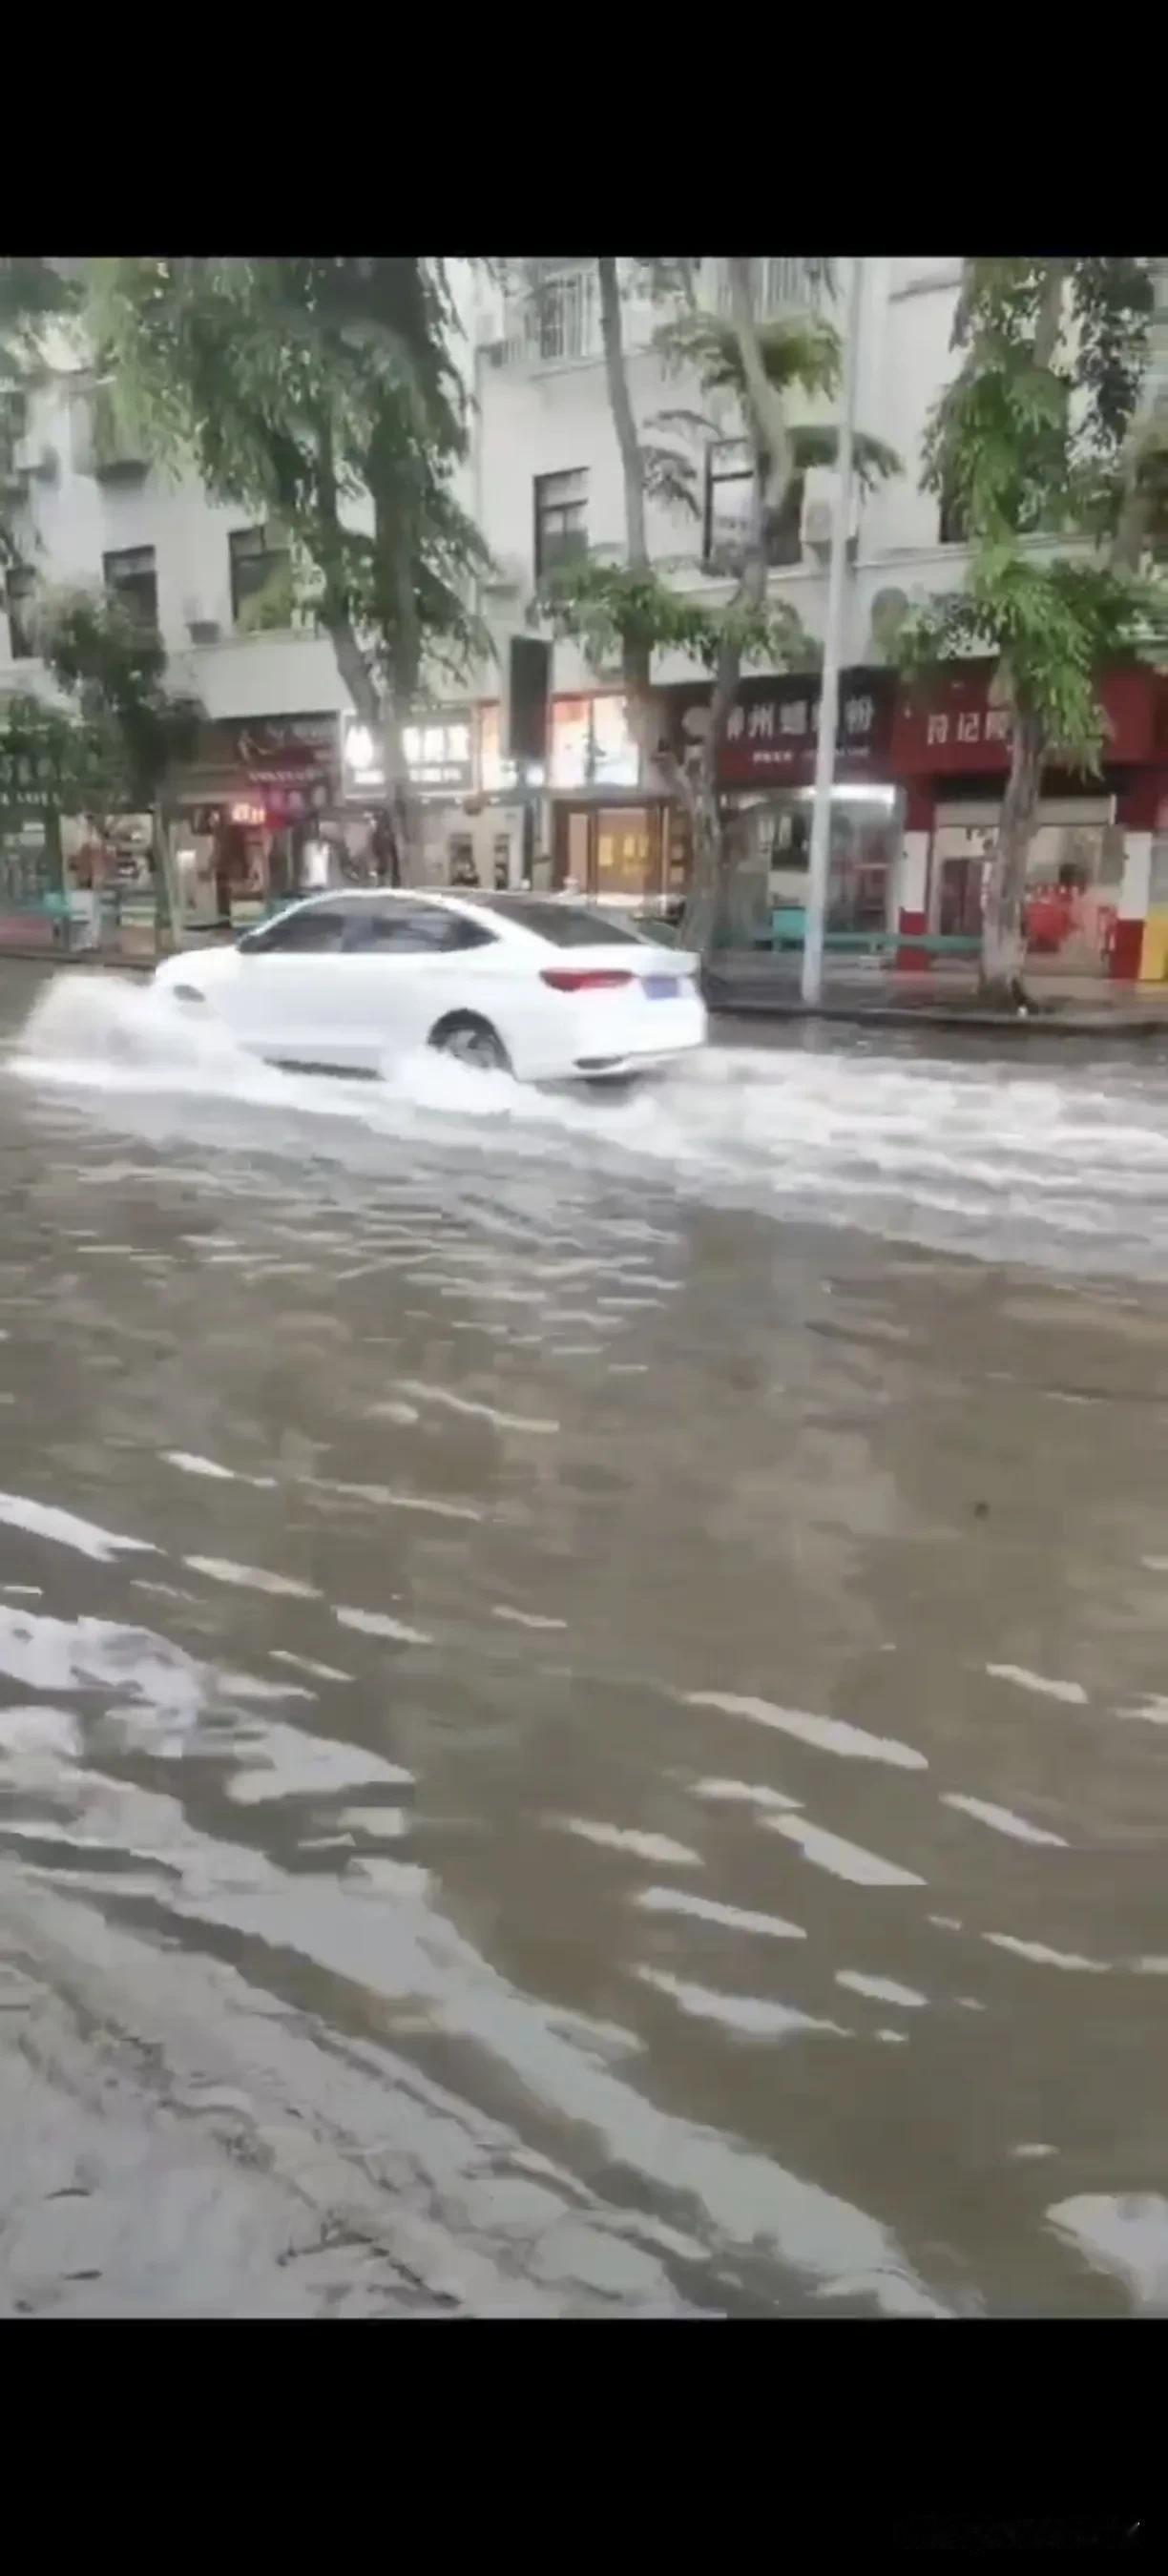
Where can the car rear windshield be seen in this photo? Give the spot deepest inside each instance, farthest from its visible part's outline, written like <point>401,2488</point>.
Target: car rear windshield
<point>566,925</point>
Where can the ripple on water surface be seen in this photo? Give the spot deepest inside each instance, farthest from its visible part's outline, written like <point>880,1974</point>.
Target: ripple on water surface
<point>613,1740</point>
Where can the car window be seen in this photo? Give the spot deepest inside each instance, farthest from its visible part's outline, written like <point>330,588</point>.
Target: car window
<point>566,925</point>
<point>410,928</point>
<point>317,927</point>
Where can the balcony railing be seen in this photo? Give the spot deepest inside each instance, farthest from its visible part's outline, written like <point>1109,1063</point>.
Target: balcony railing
<point>780,286</point>
<point>556,322</point>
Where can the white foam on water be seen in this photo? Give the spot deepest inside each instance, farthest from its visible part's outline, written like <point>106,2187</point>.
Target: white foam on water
<point>748,2016</point>
<point>1011,1160</point>
<point>881,1990</point>
<point>67,1529</point>
<point>1001,1820</point>
<point>378,1623</point>
<point>709,1909</point>
<point>250,1578</point>
<point>1040,1683</point>
<point>827,1734</point>
<point>844,1859</point>
<point>658,1848</point>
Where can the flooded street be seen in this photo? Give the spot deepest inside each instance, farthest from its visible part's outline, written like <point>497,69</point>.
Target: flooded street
<point>583,1683</point>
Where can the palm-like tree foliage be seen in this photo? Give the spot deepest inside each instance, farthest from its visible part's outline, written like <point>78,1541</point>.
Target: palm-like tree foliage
<point>1039,433</point>
<point>321,392</point>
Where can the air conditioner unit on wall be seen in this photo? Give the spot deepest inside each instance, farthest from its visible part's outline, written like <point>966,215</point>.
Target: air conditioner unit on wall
<point>200,621</point>
<point>820,489</point>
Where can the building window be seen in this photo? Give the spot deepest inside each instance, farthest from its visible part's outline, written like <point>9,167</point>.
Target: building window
<point>778,286</point>
<point>261,578</point>
<point>729,496</point>
<point>557,319</point>
<point>18,594</point>
<point>131,578</point>
<point>561,509</point>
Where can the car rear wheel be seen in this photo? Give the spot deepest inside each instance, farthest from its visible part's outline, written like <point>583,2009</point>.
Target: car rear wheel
<point>471,1041</point>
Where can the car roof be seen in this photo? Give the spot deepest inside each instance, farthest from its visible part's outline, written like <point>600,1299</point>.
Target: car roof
<point>507,910</point>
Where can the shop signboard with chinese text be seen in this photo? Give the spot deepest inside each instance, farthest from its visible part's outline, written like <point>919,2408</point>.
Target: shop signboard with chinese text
<point>954,727</point>
<point>772,732</point>
<point>287,763</point>
<point>438,754</point>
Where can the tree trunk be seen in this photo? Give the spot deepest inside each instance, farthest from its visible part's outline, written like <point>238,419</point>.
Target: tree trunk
<point>166,875</point>
<point>766,420</point>
<point>402,806</point>
<point>636,659</point>
<point>621,407</point>
<point>702,902</point>
<point>1003,935</point>
<point>374,710</point>
<point>1127,544</point>
<point>710,912</point>
<point>713,914</point>
<point>355,673</point>
<point>1003,939</point>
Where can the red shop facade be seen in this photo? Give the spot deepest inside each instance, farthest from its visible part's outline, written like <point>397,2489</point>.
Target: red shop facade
<point>766,776</point>
<point>1090,879</point>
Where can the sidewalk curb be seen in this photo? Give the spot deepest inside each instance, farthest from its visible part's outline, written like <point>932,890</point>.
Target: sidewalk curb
<point>769,1006</point>
<point>59,962</point>
<point>885,1015</point>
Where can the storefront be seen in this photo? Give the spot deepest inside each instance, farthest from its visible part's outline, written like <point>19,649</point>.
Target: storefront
<point>1089,887</point>
<point>602,835</point>
<point>471,830</point>
<point>258,808</point>
<point>766,771</point>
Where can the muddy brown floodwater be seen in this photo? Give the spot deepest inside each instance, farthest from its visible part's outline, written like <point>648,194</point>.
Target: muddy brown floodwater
<point>583,1684</point>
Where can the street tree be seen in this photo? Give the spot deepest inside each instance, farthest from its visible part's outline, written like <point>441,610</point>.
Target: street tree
<point>34,294</point>
<point>53,762</point>
<point>624,614</point>
<point>322,394</point>
<point>1046,454</point>
<point>113,671</point>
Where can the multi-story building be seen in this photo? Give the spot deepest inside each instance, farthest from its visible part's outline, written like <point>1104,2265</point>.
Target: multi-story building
<point>918,792</point>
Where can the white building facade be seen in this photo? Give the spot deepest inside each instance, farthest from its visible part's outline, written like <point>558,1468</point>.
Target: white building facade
<point>543,481</point>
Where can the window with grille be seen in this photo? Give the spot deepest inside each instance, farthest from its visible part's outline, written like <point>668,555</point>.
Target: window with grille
<point>561,317</point>
<point>561,512</point>
<point>777,286</point>
<point>131,577</point>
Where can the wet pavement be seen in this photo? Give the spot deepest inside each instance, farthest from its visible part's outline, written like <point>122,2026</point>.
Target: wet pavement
<point>583,1684</point>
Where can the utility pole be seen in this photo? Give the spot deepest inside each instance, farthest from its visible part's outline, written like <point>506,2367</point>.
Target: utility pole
<point>820,855</point>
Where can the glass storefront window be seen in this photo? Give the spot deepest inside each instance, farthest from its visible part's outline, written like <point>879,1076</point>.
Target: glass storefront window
<point>614,750</point>
<point>628,851</point>
<point>865,838</point>
<point>1072,888</point>
<point>495,773</point>
<point>570,741</point>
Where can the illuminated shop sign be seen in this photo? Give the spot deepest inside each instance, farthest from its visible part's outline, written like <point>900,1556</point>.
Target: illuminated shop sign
<point>437,751</point>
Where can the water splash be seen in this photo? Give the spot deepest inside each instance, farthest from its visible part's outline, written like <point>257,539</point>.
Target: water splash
<point>1067,1168</point>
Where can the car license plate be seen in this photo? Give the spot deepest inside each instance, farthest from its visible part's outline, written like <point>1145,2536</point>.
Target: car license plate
<point>662,988</point>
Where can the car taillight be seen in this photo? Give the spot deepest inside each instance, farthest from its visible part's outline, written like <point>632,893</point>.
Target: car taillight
<point>582,979</point>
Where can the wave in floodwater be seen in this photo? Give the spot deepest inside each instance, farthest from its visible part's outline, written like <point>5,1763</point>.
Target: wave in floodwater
<point>1067,1169</point>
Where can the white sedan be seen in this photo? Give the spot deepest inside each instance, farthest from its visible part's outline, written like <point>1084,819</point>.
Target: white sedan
<point>539,987</point>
